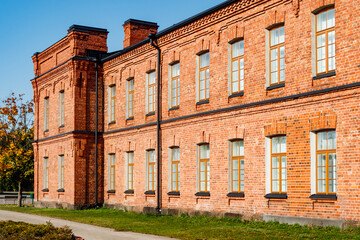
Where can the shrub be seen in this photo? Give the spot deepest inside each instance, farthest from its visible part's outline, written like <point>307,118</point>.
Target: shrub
<point>10,230</point>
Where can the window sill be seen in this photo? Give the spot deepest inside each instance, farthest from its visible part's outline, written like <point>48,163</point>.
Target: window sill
<point>61,190</point>
<point>62,126</point>
<point>239,94</point>
<point>150,114</point>
<point>276,196</point>
<point>174,193</point>
<point>324,197</point>
<point>236,194</point>
<point>202,194</point>
<point>150,193</point>
<point>130,118</point>
<point>129,192</point>
<point>111,191</point>
<point>280,85</point>
<point>45,131</point>
<point>45,190</point>
<point>112,123</point>
<point>203,102</point>
<point>325,75</point>
<point>174,108</point>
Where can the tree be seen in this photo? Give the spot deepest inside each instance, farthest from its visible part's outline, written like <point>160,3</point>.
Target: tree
<point>16,134</point>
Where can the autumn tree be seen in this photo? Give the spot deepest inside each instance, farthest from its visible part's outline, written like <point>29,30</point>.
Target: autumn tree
<point>16,135</point>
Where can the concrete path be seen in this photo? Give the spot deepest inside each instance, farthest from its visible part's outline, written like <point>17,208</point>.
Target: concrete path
<point>88,232</point>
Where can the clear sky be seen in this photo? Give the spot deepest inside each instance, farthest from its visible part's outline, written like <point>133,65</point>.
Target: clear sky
<point>29,26</point>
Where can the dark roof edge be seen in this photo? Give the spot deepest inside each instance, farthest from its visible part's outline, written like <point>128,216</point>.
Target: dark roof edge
<point>173,28</point>
<point>86,29</point>
<point>49,46</point>
<point>141,22</point>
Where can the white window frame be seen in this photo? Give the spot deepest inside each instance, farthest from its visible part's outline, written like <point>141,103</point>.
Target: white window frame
<point>198,168</point>
<point>110,155</point>
<point>170,169</point>
<point>147,92</point>
<point>170,77</point>
<point>127,98</point>
<point>127,170</point>
<point>110,107</point>
<point>46,172</point>
<point>230,44</point>
<point>197,76</point>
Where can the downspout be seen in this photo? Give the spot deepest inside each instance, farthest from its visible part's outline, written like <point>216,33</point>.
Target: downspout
<point>153,39</point>
<point>96,132</point>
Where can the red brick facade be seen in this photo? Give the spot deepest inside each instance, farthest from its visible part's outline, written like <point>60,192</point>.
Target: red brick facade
<point>300,108</point>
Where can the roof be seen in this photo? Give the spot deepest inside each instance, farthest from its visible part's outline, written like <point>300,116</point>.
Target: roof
<point>172,28</point>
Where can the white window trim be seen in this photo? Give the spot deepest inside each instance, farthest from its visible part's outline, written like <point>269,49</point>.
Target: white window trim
<point>109,103</point>
<point>147,91</point>
<point>109,171</point>
<point>197,78</point>
<point>229,68</point>
<point>267,57</point>
<point>313,161</point>
<point>267,165</point>
<point>61,112</point>
<point>127,97</point>
<point>170,82</point>
<point>313,44</point>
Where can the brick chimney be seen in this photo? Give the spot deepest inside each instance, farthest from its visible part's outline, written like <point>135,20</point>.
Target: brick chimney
<point>137,30</point>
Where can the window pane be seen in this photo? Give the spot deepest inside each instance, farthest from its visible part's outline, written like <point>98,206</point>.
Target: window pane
<point>331,18</point>
<point>321,66</point>
<point>321,53</point>
<point>235,186</point>
<point>235,87</point>
<point>331,37</point>
<point>242,175</point>
<point>235,65</point>
<point>275,174</point>
<point>202,186</point>
<point>284,186</point>
<point>321,173</point>
<point>274,37</point>
<point>175,154</point>
<point>275,162</point>
<point>202,75</point>
<point>282,75</point>
<point>321,40</point>
<point>332,172</point>
<point>207,59</point>
<point>282,63</point>
<point>275,186</point>
<point>235,175</point>
<point>321,186</point>
<point>281,35</point>
<point>242,164</point>
<point>321,21</point>
<point>321,160</point>
<point>235,165</point>
<point>282,52</point>
<point>331,49</point>
<point>321,140</point>
<point>275,145</point>
<point>332,186</point>
<point>236,148</point>
<point>332,140</point>
<point>236,49</point>
<point>274,54</point>
<point>283,144</point>
<point>274,66</point>
<point>202,94</point>
<point>283,162</point>
<point>274,77</point>
<point>332,159</point>
<point>241,48</point>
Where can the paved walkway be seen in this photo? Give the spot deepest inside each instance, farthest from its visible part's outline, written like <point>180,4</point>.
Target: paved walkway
<point>88,232</point>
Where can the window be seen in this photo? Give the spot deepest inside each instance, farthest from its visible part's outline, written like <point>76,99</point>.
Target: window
<point>326,177</point>
<point>112,98</point>
<point>151,92</point>
<point>325,42</point>
<point>150,170</point>
<point>46,172</point>
<point>61,108</point>
<point>278,165</point>
<point>237,67</point>
<point>111,172</point>
<point>277,55</point>
<point>175,85</point>
<point>130,98</point>
<point>46,114</point>
<point>130,170</point>
<point>204,76</point>
<point>61,171</point>
<point>175,169</point>
<point>237,166</point>
<point>204,168</point>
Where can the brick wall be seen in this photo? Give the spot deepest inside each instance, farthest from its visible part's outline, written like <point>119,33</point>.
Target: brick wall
<point>258,114</point>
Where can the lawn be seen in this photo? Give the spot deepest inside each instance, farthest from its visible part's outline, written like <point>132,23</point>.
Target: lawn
<point>185,227</point>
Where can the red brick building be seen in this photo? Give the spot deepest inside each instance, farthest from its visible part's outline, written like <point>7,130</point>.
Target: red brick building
<point>255,118</point>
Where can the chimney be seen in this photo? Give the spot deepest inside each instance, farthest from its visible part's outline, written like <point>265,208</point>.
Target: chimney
<point>137,30</point>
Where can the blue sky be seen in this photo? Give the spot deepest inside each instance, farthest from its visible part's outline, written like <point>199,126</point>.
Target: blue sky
<point>32,26</point>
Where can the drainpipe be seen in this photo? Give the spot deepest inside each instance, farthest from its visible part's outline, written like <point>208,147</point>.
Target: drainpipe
<point>152,38</point>
<point>96,132</point>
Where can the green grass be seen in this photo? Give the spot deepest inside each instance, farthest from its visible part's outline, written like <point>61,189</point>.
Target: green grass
<point>199,227</point>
